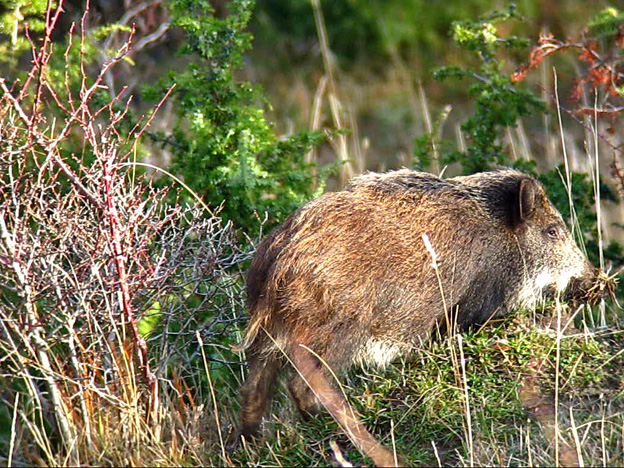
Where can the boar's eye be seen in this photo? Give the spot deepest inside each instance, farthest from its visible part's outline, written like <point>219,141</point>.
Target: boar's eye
<point>552,232</point>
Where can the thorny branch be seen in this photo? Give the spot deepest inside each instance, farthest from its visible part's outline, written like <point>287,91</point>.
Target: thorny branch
<point>603,77</point>
<point>98,273</point>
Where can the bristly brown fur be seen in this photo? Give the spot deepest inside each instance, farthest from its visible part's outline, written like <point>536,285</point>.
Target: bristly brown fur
<point>348,277</point>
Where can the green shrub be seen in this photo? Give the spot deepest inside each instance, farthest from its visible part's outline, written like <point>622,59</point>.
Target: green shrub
<point>498,102</point>
<point>222,144</point>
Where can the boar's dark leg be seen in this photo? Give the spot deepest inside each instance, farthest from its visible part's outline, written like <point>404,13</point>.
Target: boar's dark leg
<point>316,377</point>
<point>256,391</point>
<point>307,403</point>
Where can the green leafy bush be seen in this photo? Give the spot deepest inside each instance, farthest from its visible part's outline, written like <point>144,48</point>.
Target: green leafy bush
<point>13,17</point>
<point>498,102</point>
<point>222,144</point>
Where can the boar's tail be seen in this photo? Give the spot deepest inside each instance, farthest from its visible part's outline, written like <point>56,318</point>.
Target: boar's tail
<point>256,323</point>
<point>309,366</point>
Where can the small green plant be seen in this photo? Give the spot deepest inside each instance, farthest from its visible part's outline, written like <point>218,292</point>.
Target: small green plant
<point>14,17</point>
<point>498,102</point>
<point>222,144</point>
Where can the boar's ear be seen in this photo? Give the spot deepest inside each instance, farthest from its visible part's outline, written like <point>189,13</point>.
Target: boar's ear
<point>527,198</point>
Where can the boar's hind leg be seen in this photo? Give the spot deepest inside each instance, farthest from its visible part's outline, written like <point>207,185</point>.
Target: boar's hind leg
<point>314,374</point>
<point>256,391</point>
<point>307,403</point>
<point>301,392</point>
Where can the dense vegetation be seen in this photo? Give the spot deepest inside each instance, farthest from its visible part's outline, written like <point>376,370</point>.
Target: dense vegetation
<point>135,182</point>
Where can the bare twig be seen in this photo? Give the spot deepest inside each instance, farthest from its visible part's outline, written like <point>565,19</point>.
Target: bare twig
<point>103,284</point>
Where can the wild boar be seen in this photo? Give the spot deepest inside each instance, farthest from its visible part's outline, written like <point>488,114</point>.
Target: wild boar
<point>364,275</point>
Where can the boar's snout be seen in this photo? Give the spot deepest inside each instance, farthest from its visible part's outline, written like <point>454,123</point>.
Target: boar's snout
<point>586,287</point>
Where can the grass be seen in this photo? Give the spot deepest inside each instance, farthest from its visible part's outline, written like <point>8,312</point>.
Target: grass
<point>510,371</point>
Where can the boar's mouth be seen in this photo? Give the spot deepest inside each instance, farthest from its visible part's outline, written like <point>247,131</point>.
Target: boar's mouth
<point>590,288</point>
